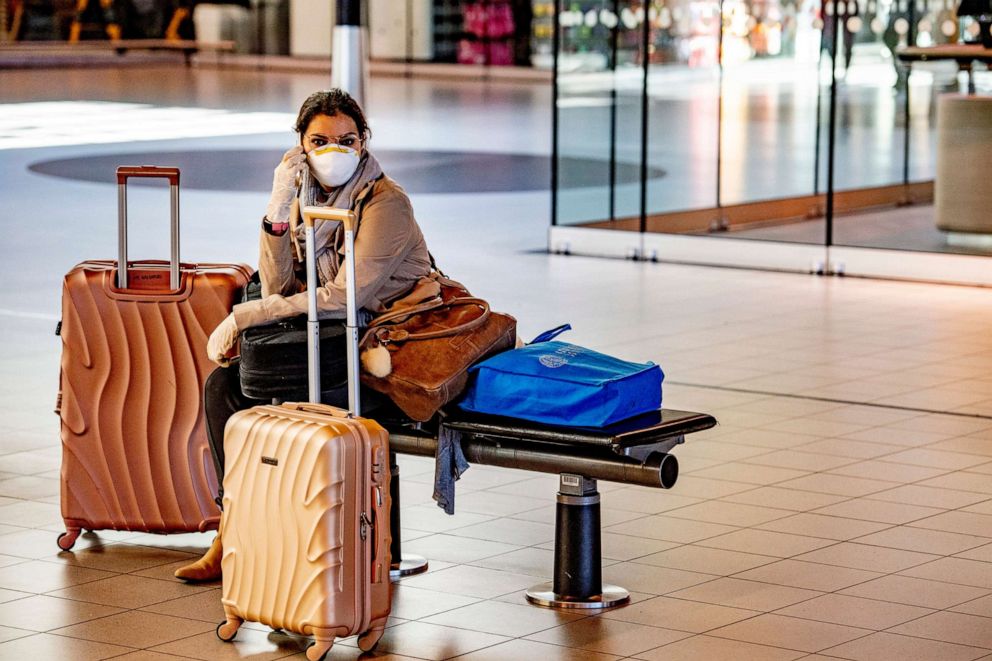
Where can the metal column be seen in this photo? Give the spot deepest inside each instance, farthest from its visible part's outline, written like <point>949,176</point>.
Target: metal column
<point>349,52</point>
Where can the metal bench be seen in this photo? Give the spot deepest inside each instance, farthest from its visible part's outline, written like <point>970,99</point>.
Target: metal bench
<point>636,451</point>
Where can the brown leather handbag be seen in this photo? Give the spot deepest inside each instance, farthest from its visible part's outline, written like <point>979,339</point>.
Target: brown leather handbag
<point>419,354</point>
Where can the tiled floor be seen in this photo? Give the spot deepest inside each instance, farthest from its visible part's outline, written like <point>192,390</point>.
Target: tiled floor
<point>842,509</point>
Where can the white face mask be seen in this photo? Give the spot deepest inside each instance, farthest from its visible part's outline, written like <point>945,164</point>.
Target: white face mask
<point>333,165</point>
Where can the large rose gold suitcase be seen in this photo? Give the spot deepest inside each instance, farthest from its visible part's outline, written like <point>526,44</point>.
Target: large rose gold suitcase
<point>134,443</point>
<point>306,504</point>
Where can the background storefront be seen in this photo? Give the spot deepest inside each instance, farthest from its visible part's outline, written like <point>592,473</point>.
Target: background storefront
<point>728,133</point>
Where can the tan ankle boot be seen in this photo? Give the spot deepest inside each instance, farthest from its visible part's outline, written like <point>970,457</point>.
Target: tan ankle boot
<point>206,568</point>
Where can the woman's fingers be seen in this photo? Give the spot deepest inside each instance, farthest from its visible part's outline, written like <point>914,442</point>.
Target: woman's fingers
<point>293,153</point>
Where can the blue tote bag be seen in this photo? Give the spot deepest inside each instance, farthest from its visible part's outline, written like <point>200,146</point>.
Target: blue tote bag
<point>563,384</point>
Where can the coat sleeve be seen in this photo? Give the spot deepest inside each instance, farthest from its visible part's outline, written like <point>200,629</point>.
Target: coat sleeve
<point>275,261</point>
<point>387,231</point>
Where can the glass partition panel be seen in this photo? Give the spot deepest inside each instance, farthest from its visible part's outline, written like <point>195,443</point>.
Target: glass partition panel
<point>597,112</point>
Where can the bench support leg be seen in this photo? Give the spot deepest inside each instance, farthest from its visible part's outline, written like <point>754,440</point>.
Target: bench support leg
<point>402,565</point>
<point>578,576</point>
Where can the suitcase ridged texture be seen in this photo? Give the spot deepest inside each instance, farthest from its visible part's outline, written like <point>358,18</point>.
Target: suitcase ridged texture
<point>293,495</point>
<point>135,453</point>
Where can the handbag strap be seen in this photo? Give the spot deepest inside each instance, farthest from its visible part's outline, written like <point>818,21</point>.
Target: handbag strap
<point>378,326</point>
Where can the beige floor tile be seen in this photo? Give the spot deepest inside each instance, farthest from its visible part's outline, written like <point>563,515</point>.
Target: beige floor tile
<point>430,641</point>
<point>456,549</point>
<point>838,485</point>
<point>167,571</point>
<point>790,633</point>
<point>751,595</point>
<point>203,606</point>
<point>126,591</point>
<point>12,595</point>
<point>808,575</point>
<point>608,636</point>
<point>765,542</point>
<point>879,511</point>
<point>984,507</point>
<point>706,560</point>
<point>960,628</point>
<point>430,518</point>
<point>915,591</point>
<point>8,560</point>
<point>147,655</point>
<point>624,547</point>
<point>923,540</point>
<point>410,603</point>
<point>136,629</point>
<point>959,481</point>
<point>801,461</point>
<point>13,633</point>
<point>843,447</point>
<point>870,558</point>
<point>536,562</point>
<point>937,459</point>
<point>854,611</point>
<point>495,504</point>
<point>508,531</point>
<point>29,487</point>
<point>983,553</point>
<point>823,428</point>
<point>790,499</point>
<point>529,649</point>
<point>514,620</point>
<point>819,525</point>
<point>32,514</point>
<point>724,452</point>
<point>254,644</point>
<point>981,606</point>
<point>883,469</point>
<point>914,494</point>
<point>772,439</point>
<point>651,580</point>
<point>955,570</point>
<point>731,514</point>
<point>964,523</point>
<point>651,501</point>
<point>471,581</point>
<point>124,558</point>
<point>679,614</point>
<point>718,649</point>
<point>43,613</point>
<point>750,473</point>
<point>698,487</point>
<point>48,646</point>
<point>36,544</point>
<point>966,444</point>
<point>890,647</point>
<point>38,576</point>
<point>668,528</point>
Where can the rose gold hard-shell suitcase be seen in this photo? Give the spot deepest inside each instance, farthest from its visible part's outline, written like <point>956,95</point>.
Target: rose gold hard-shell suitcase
<point>306,504</point>
<point>134,442</point>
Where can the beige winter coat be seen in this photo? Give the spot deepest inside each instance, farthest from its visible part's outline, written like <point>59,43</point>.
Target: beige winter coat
<point>390,257</point>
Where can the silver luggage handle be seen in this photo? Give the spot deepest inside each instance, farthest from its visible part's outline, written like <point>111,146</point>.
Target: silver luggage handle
<point>347,218</point>
<point>124,173</point>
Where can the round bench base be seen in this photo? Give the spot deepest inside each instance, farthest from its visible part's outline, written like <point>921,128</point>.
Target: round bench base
<point>408,566</point>
<point>544,595</point>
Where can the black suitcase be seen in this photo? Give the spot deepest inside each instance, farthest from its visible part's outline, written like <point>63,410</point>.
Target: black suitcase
<point>274,359</point>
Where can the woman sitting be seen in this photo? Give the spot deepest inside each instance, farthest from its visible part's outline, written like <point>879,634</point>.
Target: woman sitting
<point>332,166</point>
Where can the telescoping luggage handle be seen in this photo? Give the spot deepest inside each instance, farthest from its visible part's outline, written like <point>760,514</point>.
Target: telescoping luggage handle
<point>124,173</point>
<point>347,219</point>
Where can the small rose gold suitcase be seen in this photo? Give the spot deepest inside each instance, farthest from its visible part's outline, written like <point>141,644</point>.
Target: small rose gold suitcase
<point>134,359</point>
<point>306,504</point>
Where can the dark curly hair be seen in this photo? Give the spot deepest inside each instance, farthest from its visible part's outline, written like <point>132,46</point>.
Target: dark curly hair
<point>332,102</point>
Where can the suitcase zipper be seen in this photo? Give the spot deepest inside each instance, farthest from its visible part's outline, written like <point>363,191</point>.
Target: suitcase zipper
<point>364,525</point>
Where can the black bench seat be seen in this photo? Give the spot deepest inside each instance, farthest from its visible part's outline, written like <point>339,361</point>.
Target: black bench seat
<point>634,451</point>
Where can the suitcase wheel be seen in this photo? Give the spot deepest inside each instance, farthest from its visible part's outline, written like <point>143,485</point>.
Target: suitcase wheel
<point>368,640</point>
<point>318,650</point>
<point>227,630</point>
<point>68,539</point>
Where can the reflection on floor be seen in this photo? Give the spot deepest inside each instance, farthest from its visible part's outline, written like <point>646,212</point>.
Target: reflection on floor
<point>843,507</point>
<point>905,228</point>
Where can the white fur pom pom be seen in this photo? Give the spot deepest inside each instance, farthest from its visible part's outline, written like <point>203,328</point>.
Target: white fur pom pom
<point>377,362</point>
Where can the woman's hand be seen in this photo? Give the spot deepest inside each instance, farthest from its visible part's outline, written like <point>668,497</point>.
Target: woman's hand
<point>222,341</point>
<point>284,184</point>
